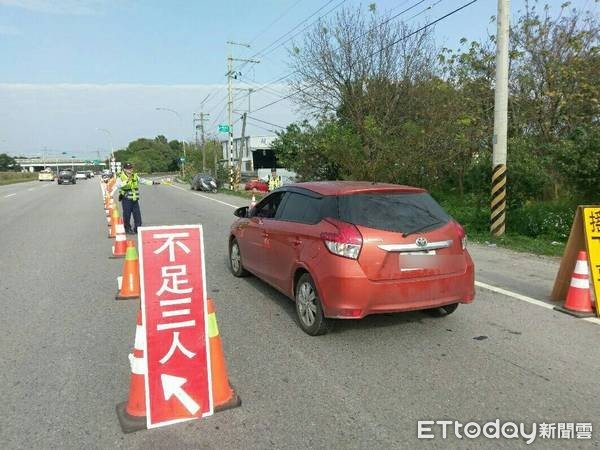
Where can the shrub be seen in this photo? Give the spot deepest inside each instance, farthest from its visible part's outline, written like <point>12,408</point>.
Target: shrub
<point>550,219</point>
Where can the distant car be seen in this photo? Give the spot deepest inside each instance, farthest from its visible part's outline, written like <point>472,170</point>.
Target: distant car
<point>46,175</point>
<point>81,175</point>
<point>89,174</point>
<point>257,184</point>
<point>203,182</point>
<point>66,176</point>
<point>346,250</point>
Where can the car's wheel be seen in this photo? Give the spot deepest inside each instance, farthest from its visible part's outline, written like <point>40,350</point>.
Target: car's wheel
<point>235,260</point>
<point>308,307</point>
<point>442,310</point>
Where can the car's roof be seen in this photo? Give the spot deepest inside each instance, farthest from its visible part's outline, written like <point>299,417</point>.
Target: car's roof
<point>352,187</point>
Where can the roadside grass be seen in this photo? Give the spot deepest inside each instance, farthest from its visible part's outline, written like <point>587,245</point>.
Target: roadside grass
<point>539,245</point>
<point>16,177</point>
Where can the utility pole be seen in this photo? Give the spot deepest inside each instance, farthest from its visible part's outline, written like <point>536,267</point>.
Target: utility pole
<point>230,76</point>
<point>201,117</point>
<point>498,206</point>
<point>250,91</point>
<point>242,144</point>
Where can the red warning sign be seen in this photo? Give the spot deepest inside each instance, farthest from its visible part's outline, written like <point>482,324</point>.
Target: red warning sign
<point>173,291</point>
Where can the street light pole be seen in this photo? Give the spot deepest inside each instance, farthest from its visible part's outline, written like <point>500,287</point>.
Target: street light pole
<point>110,140</point>
<point>182,140</point>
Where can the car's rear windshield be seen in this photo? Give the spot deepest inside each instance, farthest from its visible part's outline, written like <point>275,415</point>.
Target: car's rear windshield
<point>398,212</point>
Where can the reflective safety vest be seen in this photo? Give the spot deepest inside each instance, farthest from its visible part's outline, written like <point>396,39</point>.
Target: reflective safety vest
<point>274,182</point>
<point>130,186</point>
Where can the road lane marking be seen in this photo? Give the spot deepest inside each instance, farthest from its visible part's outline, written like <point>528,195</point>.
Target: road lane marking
<point>489,287</point>
<point>206,197</point>
<point>9,195</point>
<point>30,189</point>
<point>524,298</point>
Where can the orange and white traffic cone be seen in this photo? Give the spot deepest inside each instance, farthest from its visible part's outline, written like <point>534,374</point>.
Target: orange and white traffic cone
<point>120,247</point>
<point>129,283</point>
<point>579,301</point>
<point>132,413</point>
<point>224,397</point>
<point>109,211</point>
<point>114,219</point>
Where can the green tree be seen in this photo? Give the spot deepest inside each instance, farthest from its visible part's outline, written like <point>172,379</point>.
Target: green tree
<point>8,163</point>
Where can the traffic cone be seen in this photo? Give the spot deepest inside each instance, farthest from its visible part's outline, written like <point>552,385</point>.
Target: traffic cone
<point>129,283</point>
<point>109,213</point>
<point>224,397</point>
<point>579,302</point>
<point>132,413</point>
<point>120,247</point>
<point>114,219</point>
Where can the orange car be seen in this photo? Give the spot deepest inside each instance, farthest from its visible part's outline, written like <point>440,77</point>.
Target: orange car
<point>349,249</point>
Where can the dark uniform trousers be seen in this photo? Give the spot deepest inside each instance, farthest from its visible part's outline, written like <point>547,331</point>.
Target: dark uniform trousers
<point>131,207</point>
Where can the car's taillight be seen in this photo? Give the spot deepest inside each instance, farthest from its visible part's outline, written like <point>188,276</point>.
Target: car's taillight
<point>462,235</point>
<point>346,241</point>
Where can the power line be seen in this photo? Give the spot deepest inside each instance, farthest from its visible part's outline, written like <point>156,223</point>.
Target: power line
<point>389,19</point>
<point>304,29</point>
<point>265,86</point>
<point>275,21</point>
<point>260,52</point>
<point>263,128</point>
<point>265,122</point>
<point>424,27</point>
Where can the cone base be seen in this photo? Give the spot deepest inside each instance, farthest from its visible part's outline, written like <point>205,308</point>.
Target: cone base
<point>124,297</point>
<point>129,423</point>
<point>234,402</point>
<point>578,314</point>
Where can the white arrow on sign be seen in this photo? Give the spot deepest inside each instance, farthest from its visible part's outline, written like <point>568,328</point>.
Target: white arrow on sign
<point>173,386</point>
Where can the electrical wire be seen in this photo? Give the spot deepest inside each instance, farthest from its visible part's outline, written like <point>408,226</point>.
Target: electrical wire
<point>389,19</point>
<point>298,91</point>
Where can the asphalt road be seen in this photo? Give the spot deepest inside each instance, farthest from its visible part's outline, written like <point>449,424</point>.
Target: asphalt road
<point>65,340</point>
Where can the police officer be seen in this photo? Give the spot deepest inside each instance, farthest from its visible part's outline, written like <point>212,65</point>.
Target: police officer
<point>128,184</point>
<point>274,180</point>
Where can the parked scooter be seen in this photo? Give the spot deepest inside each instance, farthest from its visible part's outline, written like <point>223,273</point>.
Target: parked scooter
<point>204,182</point>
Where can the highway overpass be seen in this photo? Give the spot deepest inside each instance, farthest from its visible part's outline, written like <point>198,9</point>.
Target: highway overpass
<point>37,164</point>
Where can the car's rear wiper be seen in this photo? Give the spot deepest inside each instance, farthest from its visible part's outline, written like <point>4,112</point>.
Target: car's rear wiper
<point>415,230</point>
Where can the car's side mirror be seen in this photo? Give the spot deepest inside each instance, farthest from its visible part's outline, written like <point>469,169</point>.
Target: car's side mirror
<point>241,212</point>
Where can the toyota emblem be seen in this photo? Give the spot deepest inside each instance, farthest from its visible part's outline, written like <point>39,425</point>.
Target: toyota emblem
<point>421,242</point>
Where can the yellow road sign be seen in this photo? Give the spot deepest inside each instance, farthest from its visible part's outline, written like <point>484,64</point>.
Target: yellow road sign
<point>591,221</point>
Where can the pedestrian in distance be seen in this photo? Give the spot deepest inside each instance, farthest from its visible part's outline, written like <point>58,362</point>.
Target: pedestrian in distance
<point>128,183</point>
<point>273,180</point>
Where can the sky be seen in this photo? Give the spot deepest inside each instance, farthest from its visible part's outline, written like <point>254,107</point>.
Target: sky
<point>72,67</point>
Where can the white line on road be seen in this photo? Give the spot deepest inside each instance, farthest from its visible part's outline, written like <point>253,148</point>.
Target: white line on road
<point>30,189</point>
<point>489,287</point>
<point>9,195</point>
<point>524,298</point>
